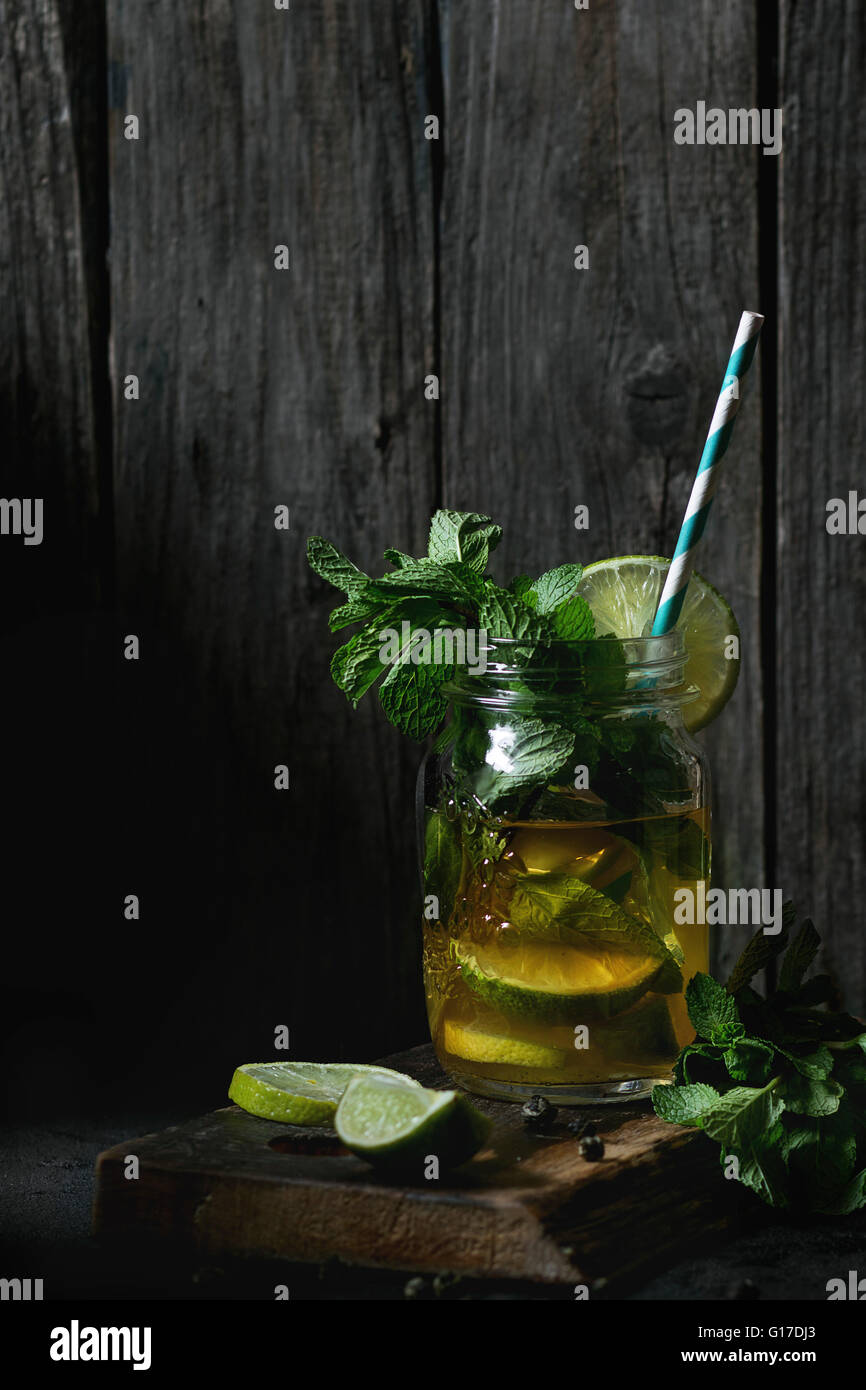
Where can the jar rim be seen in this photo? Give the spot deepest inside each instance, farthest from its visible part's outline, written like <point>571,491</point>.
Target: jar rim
<point>639,671</point>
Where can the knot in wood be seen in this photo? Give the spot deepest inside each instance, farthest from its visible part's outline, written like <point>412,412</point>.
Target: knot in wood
<point>656,390</point>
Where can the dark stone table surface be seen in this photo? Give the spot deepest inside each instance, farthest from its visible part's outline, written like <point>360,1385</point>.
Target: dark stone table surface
<point>46,1192</point>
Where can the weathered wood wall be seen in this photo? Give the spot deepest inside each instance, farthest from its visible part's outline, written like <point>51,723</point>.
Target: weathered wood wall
<point>566,386</point>
<point>262,387</point>
<point>821,578</point>
<point>304,387</point>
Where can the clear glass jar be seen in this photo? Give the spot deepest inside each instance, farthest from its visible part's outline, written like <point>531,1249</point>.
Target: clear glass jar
<point>561,815</point>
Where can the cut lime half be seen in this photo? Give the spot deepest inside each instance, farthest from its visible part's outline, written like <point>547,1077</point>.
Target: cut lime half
<point>623,594</point>
<point>397,1126</point>
<point>299,1093</point>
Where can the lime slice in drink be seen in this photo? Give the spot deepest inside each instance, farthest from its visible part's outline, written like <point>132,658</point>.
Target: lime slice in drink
<point>397,1126</point>
<point>299,1093</point>
<point>474,1045</point>
<point>623,594</point>
<point>553,983</point>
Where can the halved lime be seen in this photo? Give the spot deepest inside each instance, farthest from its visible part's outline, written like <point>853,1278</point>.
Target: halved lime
<point>397,1126</point>
<point>555,983</point>
<point>299,1093</point>
<point>473,1044</point>
<point>623,594</point>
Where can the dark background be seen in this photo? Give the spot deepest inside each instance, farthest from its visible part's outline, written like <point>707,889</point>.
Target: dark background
<point>306,388</point>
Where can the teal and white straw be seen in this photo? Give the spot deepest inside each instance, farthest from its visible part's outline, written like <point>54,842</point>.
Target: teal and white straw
<point>704,486</point>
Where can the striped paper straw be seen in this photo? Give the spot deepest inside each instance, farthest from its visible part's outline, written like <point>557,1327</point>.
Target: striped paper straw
<point>704,486</point>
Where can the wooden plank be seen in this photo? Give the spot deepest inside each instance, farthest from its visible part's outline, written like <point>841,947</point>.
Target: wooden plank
<point>821,666</point>
<point>53,333</point>
<point>526,1207</point>
<point>55,442</point>
<point>563,386</point>
<point>262,387</point>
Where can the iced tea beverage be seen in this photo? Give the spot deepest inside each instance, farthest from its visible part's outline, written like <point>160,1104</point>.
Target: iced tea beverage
<point>553,960</point>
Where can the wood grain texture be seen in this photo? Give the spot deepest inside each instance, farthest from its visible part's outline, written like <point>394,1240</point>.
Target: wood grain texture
<point>526,1207</point>
<point>54,443</point>
<point>821,667</point>
<point>565,386</point>
<point>262,387</point>
<point>52,333</point>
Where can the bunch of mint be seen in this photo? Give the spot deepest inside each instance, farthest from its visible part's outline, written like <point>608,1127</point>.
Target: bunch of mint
<point>778,1082</point>
<point>636,767</point>
<point>447,589</point>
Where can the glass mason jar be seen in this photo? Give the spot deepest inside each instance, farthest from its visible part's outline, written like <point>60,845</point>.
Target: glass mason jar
<point>563,824</point>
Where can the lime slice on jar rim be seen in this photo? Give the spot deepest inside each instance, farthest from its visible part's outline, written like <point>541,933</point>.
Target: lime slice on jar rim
<point>623,593</point>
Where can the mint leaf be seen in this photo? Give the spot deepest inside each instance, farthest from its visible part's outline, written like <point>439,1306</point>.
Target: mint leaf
<point>851,1197</point>
<point>427,579</point>
<point>750,1061</point>
<point>816,1064</point>
<point>618,888</point>
<point>683,1105</point>
<point>521,588</point>
<point>501,615</point>
<point>521,754</point>
<point>760,951</point>
<point>411,699</point>
<point>573,620</point>
<point>443,861</point>
<point>554,587</point>
<point>483,843</point>
<point>702,1062</point>
<point>362,605</point>
<point>332,565</point>
<point>561,907</point>
<point>712,1010</point>
<point>804,1095</point>
<point>742,1116</point>
<point>604,666</point>
<point>357,665</point>
<point>397,558</point>
<point>762,1167</point>
<point>798,957</point>
<point>850,1064</point>
<point>821,1155</point>
<point>463,536</point>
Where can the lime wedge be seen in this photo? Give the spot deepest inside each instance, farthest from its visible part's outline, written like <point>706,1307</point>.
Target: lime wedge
<point>397,1126</point>
<point>474,1045</point>
<point>546,981</point>
<point>299,1093</point>
<point>623,594</point>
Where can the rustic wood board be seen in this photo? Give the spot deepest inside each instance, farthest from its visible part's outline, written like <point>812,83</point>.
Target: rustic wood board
<point>527,1207</point>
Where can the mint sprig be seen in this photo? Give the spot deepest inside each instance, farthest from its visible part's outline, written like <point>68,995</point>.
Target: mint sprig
<point>778,1082</point>
<point>448,590</point>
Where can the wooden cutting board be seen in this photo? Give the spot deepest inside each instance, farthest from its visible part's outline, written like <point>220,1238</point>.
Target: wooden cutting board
<point>527,1207</point>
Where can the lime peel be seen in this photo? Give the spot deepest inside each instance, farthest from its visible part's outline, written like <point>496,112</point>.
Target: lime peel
<point>299,1093</point>
<point>623,593</point>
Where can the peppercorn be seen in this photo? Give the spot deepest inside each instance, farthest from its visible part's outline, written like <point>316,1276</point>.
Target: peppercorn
<point>582,1129</point>
<point>417,1288</point>
<point>591,1148</point>
<point>538,1112</point>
